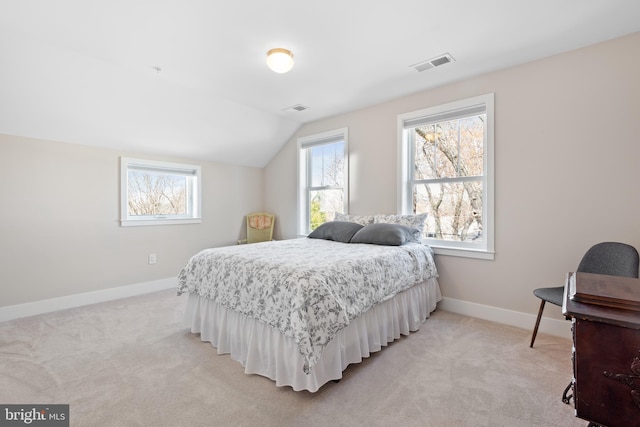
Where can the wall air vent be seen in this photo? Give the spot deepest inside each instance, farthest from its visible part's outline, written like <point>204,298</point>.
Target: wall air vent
<point>433,62</point>
<point>297,107</point>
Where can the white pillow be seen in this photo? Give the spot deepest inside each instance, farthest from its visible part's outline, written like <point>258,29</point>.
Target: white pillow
<point>417,221</point>
<point>358,219</point>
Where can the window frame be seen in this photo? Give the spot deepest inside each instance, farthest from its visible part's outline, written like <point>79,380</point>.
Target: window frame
<point>486,249</point>
<point>304,173</point>
<point>194,195</point>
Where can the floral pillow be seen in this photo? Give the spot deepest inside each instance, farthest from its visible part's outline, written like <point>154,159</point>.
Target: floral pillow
<point>417,222</point>
<point>358,219</point>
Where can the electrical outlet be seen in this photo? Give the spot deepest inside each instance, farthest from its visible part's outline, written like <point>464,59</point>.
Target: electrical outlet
<point>152,258</point>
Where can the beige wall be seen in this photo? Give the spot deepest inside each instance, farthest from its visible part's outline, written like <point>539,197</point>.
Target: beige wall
<point>567,143</point>
<point>567,148</point>
<point>59,229</point>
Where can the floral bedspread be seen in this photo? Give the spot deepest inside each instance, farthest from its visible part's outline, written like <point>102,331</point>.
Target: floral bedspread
<point>309,289</point>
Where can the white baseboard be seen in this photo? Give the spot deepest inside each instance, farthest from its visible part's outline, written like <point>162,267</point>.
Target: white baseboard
<point>54,304</point>
<point>560,328</point>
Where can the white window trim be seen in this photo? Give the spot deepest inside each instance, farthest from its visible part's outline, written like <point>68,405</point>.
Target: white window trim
<point>404,184</point>
<point>195,170</point>
<point>303,173</point>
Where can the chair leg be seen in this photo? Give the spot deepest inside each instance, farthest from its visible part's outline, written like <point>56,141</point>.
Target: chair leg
<point>566,397</point>
<point>535,329</point>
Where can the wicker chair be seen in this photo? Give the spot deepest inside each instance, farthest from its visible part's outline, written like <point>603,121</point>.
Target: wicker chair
<point>610,258</point>
<point>259,227</point>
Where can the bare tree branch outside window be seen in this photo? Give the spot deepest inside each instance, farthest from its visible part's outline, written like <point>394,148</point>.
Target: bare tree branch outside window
<point>157,194</point>
<point>449,157</point>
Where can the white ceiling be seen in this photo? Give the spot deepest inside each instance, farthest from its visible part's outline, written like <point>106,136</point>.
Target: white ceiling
<point>84,71</point>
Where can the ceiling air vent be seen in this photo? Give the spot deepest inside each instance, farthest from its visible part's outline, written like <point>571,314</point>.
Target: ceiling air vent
<point>433,62</point>
<point>297,107</point>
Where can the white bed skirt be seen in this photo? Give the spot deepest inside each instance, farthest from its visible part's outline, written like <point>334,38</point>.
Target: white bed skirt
<point>265,351</point>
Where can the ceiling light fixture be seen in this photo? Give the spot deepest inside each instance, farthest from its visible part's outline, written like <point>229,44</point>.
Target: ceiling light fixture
<point>280,60</point>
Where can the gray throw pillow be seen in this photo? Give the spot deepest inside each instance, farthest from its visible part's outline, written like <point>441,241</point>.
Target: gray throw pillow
<point>384,234</point>
<point>338,231</point>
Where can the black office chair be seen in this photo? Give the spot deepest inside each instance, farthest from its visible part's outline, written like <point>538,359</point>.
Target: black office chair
<point>610,258</point>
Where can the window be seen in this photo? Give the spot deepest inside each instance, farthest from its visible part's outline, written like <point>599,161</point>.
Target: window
<point>446,171</point>
<point>154,193</point>
<point>322,178</point>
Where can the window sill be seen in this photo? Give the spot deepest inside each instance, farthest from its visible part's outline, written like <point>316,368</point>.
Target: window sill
<point>464,253</point>
<point>144,222</point>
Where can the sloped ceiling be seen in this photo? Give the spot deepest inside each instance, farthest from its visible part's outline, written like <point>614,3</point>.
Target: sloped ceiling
<point>188,78</point>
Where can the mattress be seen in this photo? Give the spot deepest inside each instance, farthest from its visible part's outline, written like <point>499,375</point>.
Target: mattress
<point>306,290</point>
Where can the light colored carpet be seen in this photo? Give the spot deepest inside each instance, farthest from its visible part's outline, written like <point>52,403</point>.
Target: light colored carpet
<point>131,362</point>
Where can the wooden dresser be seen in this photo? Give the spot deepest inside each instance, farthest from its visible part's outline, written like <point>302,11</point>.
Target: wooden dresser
<point>606,353</point>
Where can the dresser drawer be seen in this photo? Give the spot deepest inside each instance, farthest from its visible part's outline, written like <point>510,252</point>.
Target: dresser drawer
<point>606,389</point>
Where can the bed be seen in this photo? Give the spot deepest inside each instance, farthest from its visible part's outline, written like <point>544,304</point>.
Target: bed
<point>300,311</point>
